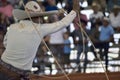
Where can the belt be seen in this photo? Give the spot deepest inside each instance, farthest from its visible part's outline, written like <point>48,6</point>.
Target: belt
<point>12,72</point>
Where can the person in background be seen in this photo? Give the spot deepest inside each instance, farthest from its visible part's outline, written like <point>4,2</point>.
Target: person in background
<point>94,36</point>
<point>105,37</point>
<point>79,38</point>
<point>68,5</point>
<point>102,4</point>
<point>67,49</point>
<point>115,18</point>
<point>96,16</point>
<point>7,9</point>
<point>4,22</point>
<point>51,5</point>
<point>115,22</point>
<point>111,3</point>
<point>56,40</point>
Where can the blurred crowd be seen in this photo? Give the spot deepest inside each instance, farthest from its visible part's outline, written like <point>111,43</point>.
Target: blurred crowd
<point>101,31</point>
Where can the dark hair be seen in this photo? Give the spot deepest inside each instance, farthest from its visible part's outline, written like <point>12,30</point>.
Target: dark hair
<point>83,21</point>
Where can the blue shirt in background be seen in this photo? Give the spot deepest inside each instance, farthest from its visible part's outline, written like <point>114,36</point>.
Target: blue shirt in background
<point>50,8</point>
<point>67,48</point>
<point>106,32</point>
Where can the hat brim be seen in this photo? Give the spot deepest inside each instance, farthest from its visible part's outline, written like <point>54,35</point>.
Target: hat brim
<point>22,14</point>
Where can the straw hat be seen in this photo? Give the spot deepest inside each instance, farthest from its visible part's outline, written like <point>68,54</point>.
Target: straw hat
<point>95,5</point>
<point>32,9</point>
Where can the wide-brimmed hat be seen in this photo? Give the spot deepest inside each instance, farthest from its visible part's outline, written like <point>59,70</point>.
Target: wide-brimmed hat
<point>95,5</point>
<point>32,9</point>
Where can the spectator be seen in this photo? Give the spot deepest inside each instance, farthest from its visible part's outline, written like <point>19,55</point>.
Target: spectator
<point>4,22</point>
<point>102,4</point>
<point>51,5</point>
<point>67,49</point>
<point>111,3</point>
<point>57,40</point>
<point>7,9</point>
<point>68,5</point>
<point>13,2</point>
<point>94,36</point>
<point>115,18</point>
<point>106,36</point>
<point>83,18</point>
<point>79,38</point>
<point>96,16</point>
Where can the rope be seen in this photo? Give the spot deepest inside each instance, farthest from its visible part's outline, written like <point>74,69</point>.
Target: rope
<point>97,56</point>
<point>94,47</point>
<point>45,43</point>
<point>66,75</point>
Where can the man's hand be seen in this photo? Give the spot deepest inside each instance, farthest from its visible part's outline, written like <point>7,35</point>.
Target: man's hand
<point>76,6</point>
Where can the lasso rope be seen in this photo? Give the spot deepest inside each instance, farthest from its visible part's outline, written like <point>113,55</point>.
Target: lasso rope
<point>45,42</point>
<point>79,24</point>
<point>65,75</point>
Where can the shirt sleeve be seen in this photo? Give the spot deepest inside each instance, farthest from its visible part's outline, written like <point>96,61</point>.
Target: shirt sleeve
<point>5,41</point>
<point>53,27</point>
<point>112,30</point>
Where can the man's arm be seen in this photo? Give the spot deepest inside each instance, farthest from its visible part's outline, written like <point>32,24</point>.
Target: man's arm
<point>53,27</point>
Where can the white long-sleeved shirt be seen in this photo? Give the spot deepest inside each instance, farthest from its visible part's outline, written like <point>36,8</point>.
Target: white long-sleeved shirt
<point>22,40</point>
<point>115,20</point>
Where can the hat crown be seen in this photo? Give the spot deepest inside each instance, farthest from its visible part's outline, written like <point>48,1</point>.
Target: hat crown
<point>32,6</point>
<point>34,11</point>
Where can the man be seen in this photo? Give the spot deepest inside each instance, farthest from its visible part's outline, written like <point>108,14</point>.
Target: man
<point>115,18</point>
<point>115,21</point>
<point>94,36</point>
<point>96,16</point>
<point>79,38</point>
<point>105,36</point>
<point>51,5</point>
<point>7,9</point>
<point>56,41</point>
<point>22,40</point>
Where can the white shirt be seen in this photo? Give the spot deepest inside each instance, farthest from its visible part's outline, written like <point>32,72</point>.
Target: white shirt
<point>97,15</point>
<point>22,43</point>
<point>115,20</point>
<point>57,37</point>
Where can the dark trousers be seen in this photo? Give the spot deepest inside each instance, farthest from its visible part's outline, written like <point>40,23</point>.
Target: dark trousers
<point>97,45</point>
<point>4,76</point>
<point>8,72</point>
<point>103,47</point>
<point>80,50</point>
